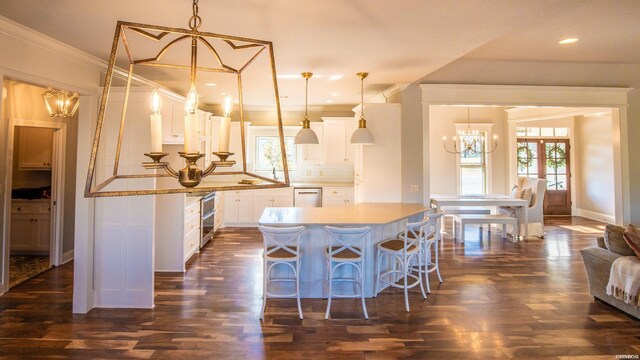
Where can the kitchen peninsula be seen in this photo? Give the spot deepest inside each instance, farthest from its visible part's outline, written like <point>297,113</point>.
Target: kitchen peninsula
<point>386,221</point>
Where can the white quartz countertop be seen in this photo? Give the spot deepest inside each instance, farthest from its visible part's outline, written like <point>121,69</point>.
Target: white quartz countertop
<point>359,214</point>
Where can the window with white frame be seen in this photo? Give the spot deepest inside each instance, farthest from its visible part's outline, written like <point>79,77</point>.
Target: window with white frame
<point>473,167</point>
<point>268,155</point>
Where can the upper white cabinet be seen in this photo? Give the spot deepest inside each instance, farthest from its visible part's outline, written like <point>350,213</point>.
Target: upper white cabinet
<point>35,148</point>
<point>337,135</point>
<point>377,168</point>
<point>312,154</point>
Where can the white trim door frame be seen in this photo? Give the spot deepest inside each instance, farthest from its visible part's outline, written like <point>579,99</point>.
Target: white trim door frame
<point>57,184</point>
<point>544,96</point>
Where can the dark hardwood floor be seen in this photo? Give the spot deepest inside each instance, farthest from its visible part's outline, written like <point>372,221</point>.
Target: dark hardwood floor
<point>499,300</point>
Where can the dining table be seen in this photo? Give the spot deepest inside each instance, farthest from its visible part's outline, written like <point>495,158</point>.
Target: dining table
<point>440,201</point>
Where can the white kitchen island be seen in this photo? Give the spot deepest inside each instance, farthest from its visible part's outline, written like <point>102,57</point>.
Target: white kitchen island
<point>385,220</point>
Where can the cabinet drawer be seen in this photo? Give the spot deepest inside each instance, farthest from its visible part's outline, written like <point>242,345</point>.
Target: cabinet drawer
<point>191,223</point>
<point>192,209</point>
<point>334,191</point>
<point>44,209</point>
<point>191,243</point>
<point>22,208</point>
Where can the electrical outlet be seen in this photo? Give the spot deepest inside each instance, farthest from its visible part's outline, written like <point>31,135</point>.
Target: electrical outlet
<point>308,173</point>
<point>415,188</point>
<point>321,173</point>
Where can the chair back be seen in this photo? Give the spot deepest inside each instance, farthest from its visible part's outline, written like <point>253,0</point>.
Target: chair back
<point>281,238</point>
<point>432,227</point>
<point>414,234</point>
<point>341,239</point>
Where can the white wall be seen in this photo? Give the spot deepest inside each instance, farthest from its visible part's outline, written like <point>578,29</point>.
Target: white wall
<point>594,167</point>
<point>443,167</point>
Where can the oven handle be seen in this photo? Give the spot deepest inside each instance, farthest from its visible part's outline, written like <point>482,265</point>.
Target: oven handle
<point>208,215</point>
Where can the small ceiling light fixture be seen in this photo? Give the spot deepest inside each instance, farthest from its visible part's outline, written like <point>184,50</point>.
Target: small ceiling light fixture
<point>362,135</point>
<point>306,135</point>
<point>472,142</point>
<point>568,41</point>
<point>60,103</point>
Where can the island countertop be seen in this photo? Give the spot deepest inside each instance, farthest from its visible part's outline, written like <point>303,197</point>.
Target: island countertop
<point>358,214</point>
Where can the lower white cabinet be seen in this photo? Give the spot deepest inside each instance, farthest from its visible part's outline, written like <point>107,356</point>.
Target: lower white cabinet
<point>337,196</point>
<point>238,208</point>
<point>30,226</point>
<point>177,231</point>
<point>262,199</point>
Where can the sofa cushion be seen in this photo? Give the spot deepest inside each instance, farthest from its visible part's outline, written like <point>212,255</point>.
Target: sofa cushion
<point>632,236</point>
<point>614,240</point>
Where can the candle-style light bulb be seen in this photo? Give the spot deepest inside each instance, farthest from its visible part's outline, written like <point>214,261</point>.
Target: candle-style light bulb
<point>444,138</point>
<point>156,102</point>
<point>156,122</point>
<point>191,104</point>
<point>227,107</point>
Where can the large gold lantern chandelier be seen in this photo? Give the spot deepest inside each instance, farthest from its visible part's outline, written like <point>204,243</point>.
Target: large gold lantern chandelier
<point>185,59</point>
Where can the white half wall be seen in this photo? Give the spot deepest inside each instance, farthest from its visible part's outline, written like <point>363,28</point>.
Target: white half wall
<point>595,187</point>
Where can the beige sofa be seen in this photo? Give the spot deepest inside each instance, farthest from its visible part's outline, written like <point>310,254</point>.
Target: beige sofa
<point>598,260</point>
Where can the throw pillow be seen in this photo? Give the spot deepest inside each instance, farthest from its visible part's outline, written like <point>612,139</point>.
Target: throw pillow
<point>515,190</point>
<point>632,237</point>
<point>614,240</point>
<point>525,194</point>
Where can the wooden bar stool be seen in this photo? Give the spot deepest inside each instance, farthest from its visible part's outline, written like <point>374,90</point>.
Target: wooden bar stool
<point>402,251</point>
<point>281,247</point>
<point>346,248</point>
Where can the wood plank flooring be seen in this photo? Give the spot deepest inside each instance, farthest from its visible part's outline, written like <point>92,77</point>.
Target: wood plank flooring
<point>499,300</point>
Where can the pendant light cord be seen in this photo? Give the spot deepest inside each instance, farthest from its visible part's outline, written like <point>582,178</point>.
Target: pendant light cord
<point>362,98</point>
<point>306,99</point>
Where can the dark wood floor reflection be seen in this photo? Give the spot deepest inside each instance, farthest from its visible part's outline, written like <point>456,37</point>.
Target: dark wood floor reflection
<point>499,300</point>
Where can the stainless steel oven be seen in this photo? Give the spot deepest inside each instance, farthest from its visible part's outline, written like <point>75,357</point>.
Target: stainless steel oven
<point>208,214</point>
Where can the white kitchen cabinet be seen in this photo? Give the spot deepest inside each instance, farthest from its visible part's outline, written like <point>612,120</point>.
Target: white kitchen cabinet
<point>270,198</point>
<point>337,148</point>
<point>35,148</point>
<point>312,154</point>
<point>337,196</point>
<point>30,226</point>
<point>177,230</point>
<point>238,208</point>
<point>377,168</point>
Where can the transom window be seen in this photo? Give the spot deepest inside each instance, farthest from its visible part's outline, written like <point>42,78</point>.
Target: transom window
<point>547,132</point>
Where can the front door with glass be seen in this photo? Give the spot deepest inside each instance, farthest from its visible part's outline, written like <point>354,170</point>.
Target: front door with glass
<point>548,159</point>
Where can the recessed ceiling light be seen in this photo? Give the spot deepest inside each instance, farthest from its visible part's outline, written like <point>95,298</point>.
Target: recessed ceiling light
<point>223,94</point>
<point>568,41</point>
<point>335,94</point>
<point>335,77</point>
<point>211,84</point>
<point>329,101</point>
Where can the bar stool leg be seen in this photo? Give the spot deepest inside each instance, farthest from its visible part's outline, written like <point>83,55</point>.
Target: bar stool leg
<point>377,278</point>
<point>326,315</point>
<point>424,295</point>
<point>437,263</point>
<point>364,304</point>
<point>264,287</point>
<point>405,265</point>
<point>297,273</point>
<point>427,252</point>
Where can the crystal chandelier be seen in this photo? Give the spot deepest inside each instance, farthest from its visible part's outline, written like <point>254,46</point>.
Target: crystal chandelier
<point>159,52</point>
<point>472,141</point>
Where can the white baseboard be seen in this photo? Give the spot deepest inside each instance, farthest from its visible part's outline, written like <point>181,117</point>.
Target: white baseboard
<point>610,219</point>
<point>68,256</point>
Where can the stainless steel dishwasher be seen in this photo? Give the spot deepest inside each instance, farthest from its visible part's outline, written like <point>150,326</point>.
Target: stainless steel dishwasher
<point>307,197</point>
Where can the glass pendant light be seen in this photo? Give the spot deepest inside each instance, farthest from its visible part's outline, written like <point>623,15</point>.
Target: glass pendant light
<point>306,135</point>
<point>362,135</point>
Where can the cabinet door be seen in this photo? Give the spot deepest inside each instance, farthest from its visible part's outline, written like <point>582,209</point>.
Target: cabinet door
<point>282,201</point>
<point>175,125</point>
<point>230,213</point>
<point>43,238</point>
<point>333,201</point>
<point>335,147</point>
<point>259,204</point>
<point>23,232</point>
<point>350,127</point>
<point>35,148</point>
<point>312,153</point>
<point>245,209</point>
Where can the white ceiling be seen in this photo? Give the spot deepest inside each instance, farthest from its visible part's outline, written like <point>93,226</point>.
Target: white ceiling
<point>396,41</point>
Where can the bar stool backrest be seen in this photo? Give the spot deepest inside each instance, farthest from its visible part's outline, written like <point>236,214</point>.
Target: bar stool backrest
<point>347,238</point>
<point>433,224</point>
<point>285,238</point>
<point>414,234</point>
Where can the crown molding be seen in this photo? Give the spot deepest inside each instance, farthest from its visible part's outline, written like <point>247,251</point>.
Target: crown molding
<point>26,34</point>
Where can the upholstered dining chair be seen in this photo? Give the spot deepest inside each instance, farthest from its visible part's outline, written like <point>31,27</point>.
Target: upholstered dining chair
<point>534,213</point>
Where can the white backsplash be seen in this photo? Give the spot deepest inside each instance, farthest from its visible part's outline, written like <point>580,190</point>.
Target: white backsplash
<point>325,173</point>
